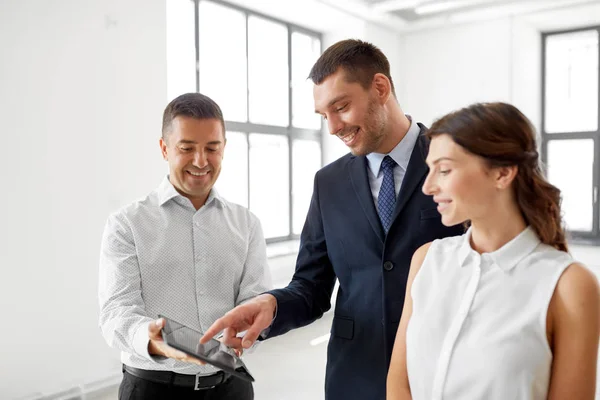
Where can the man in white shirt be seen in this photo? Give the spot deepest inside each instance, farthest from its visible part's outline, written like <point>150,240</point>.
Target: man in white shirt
<point>183,252</point>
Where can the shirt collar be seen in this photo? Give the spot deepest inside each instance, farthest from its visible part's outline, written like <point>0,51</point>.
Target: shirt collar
<point>166,191</point>
<point>401,153</point>
<point>507,256</point>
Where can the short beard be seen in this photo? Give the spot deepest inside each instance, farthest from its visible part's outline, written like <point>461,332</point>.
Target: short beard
<point>374,133</point>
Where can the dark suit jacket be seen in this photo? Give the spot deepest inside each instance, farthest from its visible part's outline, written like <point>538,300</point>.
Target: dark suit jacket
<point>343,238</point>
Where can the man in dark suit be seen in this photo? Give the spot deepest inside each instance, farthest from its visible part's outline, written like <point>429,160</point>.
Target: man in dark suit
<point>367,216</point>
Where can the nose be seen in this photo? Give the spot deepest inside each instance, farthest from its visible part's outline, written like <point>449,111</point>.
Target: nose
<point>429,186</point>
<point>200,159</point>
<point>335,125</point>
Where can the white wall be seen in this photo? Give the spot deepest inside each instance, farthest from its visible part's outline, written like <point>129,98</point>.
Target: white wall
<point>449,67</point>
<point>83,86</point>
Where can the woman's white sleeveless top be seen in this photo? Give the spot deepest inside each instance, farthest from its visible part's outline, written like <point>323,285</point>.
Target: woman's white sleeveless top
<point>478,326</point>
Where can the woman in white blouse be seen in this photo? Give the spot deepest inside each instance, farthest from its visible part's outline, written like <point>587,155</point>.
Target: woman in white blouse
<point>502,312</point>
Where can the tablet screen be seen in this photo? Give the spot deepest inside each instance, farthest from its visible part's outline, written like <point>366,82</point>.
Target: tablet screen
<point>214,352</point>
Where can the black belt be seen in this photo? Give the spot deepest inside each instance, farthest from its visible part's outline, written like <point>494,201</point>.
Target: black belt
<point>196,382</point>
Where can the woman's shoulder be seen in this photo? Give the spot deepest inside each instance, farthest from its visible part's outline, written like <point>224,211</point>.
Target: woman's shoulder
<point>578,284</point>
<point>575,304</point>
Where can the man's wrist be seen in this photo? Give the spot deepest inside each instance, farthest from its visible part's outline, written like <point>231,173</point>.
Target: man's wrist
<point>272,301</point>
<point>153,349</point>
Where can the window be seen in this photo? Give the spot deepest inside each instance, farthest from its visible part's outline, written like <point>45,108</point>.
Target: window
<point>269,182</point>
<point>233,181</point>
<point>570,125</point>
<point>306,156</point>
<point>256,67</point>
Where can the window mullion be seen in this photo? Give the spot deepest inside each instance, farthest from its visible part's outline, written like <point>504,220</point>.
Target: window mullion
<point>290,143</point>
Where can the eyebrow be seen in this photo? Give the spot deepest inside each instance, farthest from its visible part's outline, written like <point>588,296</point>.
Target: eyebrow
<point>442,159</point>
<point>186,141</point>
<point>333,101</point>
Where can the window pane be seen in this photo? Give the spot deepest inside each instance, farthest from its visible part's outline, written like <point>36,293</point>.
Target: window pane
<point>565,157</point>
<point>572,82</point>
<point>268,80</point>
<point>222,41</point>
<point>181,54</point>
<point>305,51</point>
<point>306,161</point>
<point>233,181</point>
<point>269,183</point>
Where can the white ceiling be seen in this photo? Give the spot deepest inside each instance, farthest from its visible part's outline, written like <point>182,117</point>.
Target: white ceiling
<point>335,16</point>
<point>408,15</point>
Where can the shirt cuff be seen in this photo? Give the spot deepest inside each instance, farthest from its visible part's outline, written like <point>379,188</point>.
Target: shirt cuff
<point>265,332</point>
<point>263,335</point>
<point>141,341</point>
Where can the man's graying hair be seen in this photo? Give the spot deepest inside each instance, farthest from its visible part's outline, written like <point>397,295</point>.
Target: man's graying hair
<point>193,105</point>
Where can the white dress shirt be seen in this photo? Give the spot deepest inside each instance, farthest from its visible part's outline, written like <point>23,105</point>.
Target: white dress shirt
<point>401,154</point>
<point>162,256</point>
<point>478,327</point>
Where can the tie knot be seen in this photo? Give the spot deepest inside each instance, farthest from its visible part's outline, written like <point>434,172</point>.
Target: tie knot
<point>388,163</point>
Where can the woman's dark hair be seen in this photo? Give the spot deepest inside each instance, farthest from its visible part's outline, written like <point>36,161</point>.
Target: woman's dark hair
<point>503,136</point>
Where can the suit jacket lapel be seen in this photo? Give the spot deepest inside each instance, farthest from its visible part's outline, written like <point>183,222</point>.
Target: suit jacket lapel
<point>357,168</point>
<point>417,169</point>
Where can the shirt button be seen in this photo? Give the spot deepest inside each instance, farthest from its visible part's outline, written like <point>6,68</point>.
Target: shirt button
<point>388,265</point>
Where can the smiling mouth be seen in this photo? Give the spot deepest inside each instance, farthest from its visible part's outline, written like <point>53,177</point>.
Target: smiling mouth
<point>442,205</point>
<point>198,174</point>
<point>349,138</point>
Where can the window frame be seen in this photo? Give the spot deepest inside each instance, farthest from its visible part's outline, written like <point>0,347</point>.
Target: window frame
<point>290,132</point>
<point>577,237</point>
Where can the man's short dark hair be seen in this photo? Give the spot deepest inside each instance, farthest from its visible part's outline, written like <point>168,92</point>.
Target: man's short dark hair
<point>193,105</point>
<point>359,60</point>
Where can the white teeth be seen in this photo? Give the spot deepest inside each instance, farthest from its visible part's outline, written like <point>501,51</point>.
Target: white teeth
<point>348,138</point>
<point>198,173</point>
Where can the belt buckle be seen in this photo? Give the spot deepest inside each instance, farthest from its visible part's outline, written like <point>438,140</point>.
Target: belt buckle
<point>197,383</point>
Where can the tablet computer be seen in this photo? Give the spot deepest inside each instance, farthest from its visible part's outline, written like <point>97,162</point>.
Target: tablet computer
<point>187,340</point>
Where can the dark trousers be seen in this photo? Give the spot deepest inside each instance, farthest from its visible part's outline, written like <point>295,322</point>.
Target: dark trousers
<point>134,388</point>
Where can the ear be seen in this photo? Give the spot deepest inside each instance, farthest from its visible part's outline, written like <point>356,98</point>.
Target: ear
<point>505,176</point>
<point>382,86</point>
<point>163,149</point>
